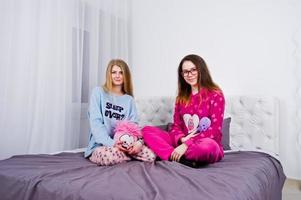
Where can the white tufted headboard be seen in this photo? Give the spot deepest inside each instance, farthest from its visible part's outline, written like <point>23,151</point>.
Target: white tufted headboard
<point>254,119</point>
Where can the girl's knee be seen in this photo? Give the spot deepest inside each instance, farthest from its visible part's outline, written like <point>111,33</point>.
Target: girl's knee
<point>146,154</point>
<point>146,128</point>
<point>207,144</point>
<point>205,150</point>
<point>108,156</point>
<point>151,156</point>
<point>147,131</point>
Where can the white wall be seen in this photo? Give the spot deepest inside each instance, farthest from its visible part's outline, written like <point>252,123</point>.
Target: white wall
<point>251,47</point>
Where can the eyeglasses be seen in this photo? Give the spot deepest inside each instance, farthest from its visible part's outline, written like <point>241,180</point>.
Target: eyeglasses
<point>186,73</point>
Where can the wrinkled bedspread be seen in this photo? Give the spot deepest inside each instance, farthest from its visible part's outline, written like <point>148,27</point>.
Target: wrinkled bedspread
<point>240,175</point>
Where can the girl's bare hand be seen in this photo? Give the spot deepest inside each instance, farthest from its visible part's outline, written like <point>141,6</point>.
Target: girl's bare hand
<point>136,148</point>
<point>187,137</point>
<point>178,152</point>
<point>120,147</point>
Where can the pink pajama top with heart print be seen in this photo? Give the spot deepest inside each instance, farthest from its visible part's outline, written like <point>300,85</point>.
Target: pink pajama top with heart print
<point>205,103</point>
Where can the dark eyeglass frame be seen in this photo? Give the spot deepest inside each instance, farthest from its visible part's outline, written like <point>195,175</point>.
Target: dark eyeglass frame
<point>192,71</point>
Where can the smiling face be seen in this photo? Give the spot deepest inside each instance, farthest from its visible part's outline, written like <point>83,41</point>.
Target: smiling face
<point>127,140</point>
<point>117,76</point>
<point>190,73</point>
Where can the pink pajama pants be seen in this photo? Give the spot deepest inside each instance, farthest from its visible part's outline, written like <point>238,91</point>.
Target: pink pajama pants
<point>205,150</point>
<point>111,155</point>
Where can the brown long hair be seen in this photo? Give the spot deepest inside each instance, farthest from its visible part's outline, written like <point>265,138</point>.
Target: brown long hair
<point>204,78</point>
<point>127,86</point>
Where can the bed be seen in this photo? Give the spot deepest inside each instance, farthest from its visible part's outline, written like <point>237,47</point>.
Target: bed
<point>250,169</point>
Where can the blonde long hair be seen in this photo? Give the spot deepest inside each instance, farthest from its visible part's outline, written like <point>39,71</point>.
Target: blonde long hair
<point>127,86</point>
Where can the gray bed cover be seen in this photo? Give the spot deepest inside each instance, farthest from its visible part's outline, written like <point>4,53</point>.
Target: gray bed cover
<point>240,175</point>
